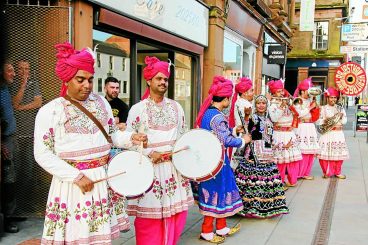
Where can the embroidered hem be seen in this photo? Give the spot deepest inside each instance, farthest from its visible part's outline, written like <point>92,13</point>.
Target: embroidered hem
<point>159,212</point>
<point>207,213</point>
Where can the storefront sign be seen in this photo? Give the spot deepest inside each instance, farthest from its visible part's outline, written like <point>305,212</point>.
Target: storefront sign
<point>276,54</point>
<point>188,19</point>
<point>361,118</point>
<point>306,15</point>
<point>350,78</point>
<point>354,32</point>
<point>353,49</point>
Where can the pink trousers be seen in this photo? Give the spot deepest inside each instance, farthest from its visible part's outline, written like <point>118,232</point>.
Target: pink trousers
<point>292,171</point>
<point>330,168</point>
<point>165,231</point>
<point>306,164</point>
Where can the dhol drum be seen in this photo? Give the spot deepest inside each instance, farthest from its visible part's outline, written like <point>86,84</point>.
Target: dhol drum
<point>203,158</point>
<point>137,177</point>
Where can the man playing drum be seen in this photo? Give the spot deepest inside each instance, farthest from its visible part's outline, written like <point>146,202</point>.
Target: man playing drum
<point>306,131</point>
<point>332,141</point>
<point>219,197</point>
<point>161,213</point>
<point>70,146</point>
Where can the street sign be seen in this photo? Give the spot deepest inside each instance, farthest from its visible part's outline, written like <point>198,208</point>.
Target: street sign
<point>350,78</point>
<point>354,32</point>
<point>353,49</point>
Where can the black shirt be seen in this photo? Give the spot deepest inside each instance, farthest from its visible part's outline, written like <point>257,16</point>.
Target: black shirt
<point>119,109</point>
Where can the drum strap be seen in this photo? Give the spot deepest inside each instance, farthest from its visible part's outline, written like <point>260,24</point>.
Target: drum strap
<point>89,114</point>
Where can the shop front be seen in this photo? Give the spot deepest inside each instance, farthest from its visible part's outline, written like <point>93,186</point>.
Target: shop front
<point>126,33</point>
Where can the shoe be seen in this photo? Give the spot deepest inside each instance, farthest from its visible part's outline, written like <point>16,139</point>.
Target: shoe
<point>325,176</point>
<point>340,176</point>
<point>232,231</point>
<point>290,185</point>
<point>11,228</point>
<point>216,239</point>
<point>286,188</point>
<point>308,177</point>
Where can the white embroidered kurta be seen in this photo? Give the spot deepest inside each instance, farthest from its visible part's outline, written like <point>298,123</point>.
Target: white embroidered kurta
<point>171,193</point>
<point>333,144</point>
<point>63,132</point>
<point>306,132</point>
<point>282,117</point>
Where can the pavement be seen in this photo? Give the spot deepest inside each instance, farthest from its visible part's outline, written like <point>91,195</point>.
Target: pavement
<point>346,222</point>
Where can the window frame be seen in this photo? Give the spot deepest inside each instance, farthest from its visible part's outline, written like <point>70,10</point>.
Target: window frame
<point>318,46</point>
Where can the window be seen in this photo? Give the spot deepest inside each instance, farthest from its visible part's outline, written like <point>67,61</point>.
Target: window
<point>320,35</point>
<point>111,62</point>
<point>98,60</point>
<point>123,64</point>
<point>125,87</point>
<point>99,83</point>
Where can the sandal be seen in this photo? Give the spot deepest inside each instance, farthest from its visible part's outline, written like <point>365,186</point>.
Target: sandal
<point>232,231</point>
<point>216,239</point>
<point>308,177</point>
<point>340,176</point>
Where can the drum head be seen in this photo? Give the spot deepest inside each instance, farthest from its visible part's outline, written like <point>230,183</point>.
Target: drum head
<point>138,177</point>
<point>203,156</point>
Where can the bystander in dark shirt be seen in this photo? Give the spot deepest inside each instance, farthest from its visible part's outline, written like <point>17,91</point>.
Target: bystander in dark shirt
<point>119,109</point>
<point>8,124</point>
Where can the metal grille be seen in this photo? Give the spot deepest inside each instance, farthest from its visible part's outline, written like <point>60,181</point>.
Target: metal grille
<point>322,233</point>
<point>33,32</point>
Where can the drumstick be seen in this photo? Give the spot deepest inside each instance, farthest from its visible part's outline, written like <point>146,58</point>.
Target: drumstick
<point>108,177</point>
<point>174,152</point>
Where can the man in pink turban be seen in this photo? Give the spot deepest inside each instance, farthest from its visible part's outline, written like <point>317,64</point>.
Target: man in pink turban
<point>154,66</point>
<point>285,144</point>
<point>332,142</point>
<point>161,213</point>
<point>71,147</point>
<point>306,132</point>
<point>69,61</point>
<point>242,98</point>
<point>219,198</point>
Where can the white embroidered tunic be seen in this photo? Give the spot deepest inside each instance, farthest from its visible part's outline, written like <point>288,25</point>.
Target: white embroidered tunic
<point>65,134</point>
<point>306,131</point>
<point>333,144</point>
<point>171,193</point>
<point>283,118</point>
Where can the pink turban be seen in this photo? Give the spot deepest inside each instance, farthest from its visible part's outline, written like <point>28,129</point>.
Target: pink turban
<point>69,61</point>
<point>332,92</point>
<point>303,85</point>
<point>153,67</point>
<point>243,86</point>
<point>220,87</point>
<point>274,85</point>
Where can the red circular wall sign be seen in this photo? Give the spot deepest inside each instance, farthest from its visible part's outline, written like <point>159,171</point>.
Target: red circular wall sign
<point>350,78</point>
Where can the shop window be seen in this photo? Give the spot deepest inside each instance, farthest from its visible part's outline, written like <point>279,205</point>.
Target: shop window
<point>232,59</point>
<point>320,35</point>
<point>113,59</point>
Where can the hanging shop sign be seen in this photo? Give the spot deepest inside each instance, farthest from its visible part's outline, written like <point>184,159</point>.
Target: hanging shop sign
<point>307,15</point>
<point>353,49</point>
<point>276,54</point>
<point>188,20</point>
<point>350,78</point>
